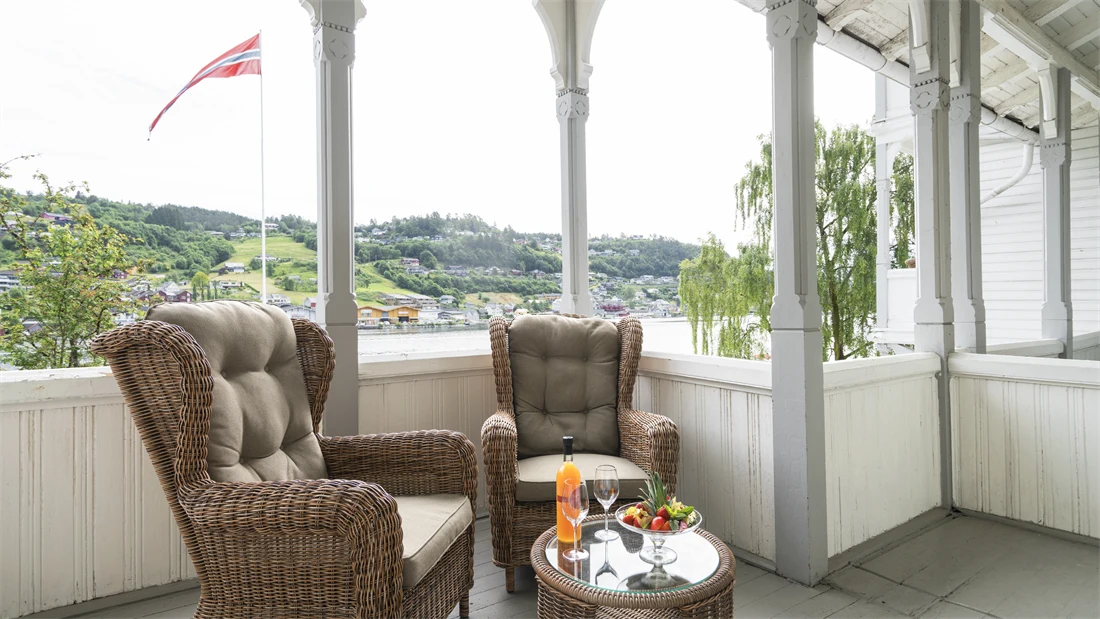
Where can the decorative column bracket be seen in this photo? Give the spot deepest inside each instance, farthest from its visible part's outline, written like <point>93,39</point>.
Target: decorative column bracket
<point>798,400</point>
<point>334,23</point>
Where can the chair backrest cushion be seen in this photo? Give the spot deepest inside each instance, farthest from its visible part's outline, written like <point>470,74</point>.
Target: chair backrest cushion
<point>565,381</point>
<point>260,423</point>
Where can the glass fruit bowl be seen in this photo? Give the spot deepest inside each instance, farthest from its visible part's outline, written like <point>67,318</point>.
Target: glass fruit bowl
<point>657,554</point>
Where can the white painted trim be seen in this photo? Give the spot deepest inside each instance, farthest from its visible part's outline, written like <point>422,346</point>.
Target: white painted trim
<point>1034,348</point>
<point>861,373</point>
<point>1026,369</point>
<point>728,373</point>
<point>422,365</point>
<point>42,388</point>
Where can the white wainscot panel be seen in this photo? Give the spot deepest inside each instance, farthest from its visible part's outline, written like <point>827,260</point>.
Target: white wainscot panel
<point>1086,347</point>
<point>724,411</point>
<point>1025,435</point>
<point>882,455</point>
<point>82,514</point>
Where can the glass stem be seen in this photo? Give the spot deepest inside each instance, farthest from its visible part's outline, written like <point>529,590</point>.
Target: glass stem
<point>606,517</point>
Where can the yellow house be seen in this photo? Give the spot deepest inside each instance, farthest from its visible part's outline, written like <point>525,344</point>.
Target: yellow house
<point>373,314</point>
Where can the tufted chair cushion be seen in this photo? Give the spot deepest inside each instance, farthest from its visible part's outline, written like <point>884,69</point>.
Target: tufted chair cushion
<point>565,381</point>
<point>260,424</point>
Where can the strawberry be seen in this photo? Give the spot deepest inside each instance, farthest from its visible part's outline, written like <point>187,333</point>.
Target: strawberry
<point>657,524</point>
<point>663,512</point>
<point>640,506</point>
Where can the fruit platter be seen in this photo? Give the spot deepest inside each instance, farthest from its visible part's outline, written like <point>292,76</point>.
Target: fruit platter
<point>658,517</point>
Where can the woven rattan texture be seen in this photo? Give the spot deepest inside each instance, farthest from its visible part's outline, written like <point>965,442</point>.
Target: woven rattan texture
<point>650,441</point>
<point>561,597</point>
<point>297,548</point>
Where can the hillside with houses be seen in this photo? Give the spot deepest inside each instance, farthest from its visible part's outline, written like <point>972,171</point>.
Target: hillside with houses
<point>420,269</point>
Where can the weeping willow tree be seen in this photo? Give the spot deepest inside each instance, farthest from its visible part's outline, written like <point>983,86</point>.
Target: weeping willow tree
<point>901,211</point>
<point>727,298</point>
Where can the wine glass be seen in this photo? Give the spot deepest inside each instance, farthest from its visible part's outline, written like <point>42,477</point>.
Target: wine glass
<point>574,506</point>
<point>606,489</point>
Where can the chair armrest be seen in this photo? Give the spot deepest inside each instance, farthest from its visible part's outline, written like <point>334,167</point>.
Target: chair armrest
<point>406,463</point>
<point>499,444</point>
<point>650,441</point>
<point>325,521</point>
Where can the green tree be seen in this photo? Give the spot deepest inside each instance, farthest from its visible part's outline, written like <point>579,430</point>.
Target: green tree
<point>427,260</point>
<point>70,295</point>
<point>846,231</point>
<point>901,210</point>
<point>199,284</point>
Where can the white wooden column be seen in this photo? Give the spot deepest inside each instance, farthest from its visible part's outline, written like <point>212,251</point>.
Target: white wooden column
<point>929,95</point>
<point>798,402</point>
<point>334,24</point>
<point>569,25</point>
<point>966,215</point>
<point>1054,156</point>
<point>883,177</point>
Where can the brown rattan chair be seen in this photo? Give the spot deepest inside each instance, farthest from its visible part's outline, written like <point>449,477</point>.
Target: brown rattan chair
<point>324,545</point>
<point>565,372</point>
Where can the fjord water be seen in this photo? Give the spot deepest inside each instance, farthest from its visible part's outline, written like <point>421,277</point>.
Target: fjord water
<point>671,335</point>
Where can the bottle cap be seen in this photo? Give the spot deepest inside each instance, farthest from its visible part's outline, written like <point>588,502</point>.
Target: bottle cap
<point>567,444</point>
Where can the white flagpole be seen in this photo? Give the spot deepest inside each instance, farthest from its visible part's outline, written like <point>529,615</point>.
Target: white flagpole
<point>263,210</point>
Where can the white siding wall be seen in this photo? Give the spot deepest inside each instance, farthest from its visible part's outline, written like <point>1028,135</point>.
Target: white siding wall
<point>1012,244</point>
<point>1025,434</point>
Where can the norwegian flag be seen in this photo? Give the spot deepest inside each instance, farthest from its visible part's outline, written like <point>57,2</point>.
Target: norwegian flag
<point>243,59</point>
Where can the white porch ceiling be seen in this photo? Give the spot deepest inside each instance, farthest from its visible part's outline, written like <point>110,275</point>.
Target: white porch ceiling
<point>1010,84</point>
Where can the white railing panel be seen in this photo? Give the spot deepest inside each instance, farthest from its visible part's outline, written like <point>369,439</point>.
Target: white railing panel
<point>1086,347</point>
<point>723,409</point>
<point>1025,435</point>
<point>882,456</point>
<point>429,391</point>
<point>82,514</point>
<point>1049,349</point>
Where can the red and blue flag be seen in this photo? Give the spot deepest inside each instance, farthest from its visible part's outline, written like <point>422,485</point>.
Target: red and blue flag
<point>243,59</point>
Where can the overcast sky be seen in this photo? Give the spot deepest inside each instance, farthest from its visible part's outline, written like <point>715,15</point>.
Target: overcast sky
<point>453,108</point>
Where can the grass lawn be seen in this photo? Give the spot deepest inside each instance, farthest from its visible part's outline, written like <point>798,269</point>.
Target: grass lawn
<point>280,246</point>
<point>495,297</point>
<point>284,247</point>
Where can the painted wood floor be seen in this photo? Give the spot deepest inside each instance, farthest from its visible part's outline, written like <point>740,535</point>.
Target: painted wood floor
<point>964,568</point>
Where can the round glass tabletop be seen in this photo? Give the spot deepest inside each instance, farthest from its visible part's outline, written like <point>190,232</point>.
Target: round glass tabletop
<point>616,565</point>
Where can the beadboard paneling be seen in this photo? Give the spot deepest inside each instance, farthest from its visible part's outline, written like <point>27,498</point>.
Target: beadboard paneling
<point>723,409</point>
<point>82,514</point>
<point>882,455</point>
<point>420,392</point>
<point>1086,347</point>
<point>1025,435</point>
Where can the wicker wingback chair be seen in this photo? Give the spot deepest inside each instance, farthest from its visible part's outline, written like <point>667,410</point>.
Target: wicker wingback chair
<point>549,372</point>
<point>384,530</point>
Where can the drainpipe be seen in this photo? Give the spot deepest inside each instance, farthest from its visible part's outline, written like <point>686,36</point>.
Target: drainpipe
<point>1025,169</point>
<point>854,49</point>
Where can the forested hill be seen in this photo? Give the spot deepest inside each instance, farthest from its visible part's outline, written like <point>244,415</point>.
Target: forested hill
<point>183,240</point>
<point>467,240</point>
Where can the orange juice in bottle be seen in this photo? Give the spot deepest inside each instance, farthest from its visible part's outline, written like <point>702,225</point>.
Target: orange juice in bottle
<point>568,470</point>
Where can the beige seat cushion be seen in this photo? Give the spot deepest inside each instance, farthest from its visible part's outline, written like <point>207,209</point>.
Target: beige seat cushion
<point>260,424</point>
<point>565,382</point>
<point>430,523</point>
<point>537,477</point>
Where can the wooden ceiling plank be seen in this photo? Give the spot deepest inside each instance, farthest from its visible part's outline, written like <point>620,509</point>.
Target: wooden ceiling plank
<point>1006,73</point>
<point>1045,11</point>
<point>1081,33</point>
<point>845,12</point>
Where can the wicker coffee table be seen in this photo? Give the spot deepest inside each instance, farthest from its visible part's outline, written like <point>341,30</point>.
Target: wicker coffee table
<point>614,581</point>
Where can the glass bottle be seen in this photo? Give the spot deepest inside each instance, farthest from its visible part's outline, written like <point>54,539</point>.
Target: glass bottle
<point>568,470</point>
